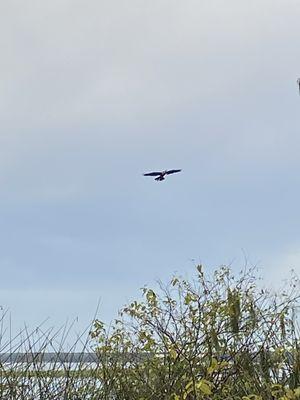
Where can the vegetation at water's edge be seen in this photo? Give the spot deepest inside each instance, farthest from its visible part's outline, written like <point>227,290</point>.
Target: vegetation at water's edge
<point>214,337</point>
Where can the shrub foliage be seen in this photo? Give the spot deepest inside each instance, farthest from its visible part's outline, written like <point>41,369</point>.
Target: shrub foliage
<point>215,337</point>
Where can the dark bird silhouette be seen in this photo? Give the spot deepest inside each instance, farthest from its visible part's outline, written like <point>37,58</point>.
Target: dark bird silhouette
<point>161,175</point>
<point>298,82</point>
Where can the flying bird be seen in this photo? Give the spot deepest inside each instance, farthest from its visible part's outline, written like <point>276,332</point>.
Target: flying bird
<point>161,175</point>
<point>298,82</point>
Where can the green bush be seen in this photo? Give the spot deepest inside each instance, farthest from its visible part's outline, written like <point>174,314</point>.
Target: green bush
<point>219,337</point>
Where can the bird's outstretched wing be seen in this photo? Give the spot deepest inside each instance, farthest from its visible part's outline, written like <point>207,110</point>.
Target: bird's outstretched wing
<point>153,174</point>
<point>173,171</point>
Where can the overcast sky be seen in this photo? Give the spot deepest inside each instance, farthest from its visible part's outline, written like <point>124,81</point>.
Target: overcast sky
<point>95,93</point>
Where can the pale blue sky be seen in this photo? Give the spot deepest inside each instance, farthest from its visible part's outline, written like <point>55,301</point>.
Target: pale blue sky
<point>95,93</point>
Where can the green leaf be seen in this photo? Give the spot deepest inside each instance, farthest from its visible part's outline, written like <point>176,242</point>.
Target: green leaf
<point>204,386</point>
<point>213,366</point>
<point>173,353</point>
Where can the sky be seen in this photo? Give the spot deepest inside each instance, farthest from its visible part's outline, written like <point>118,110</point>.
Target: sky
<point>95,93</point>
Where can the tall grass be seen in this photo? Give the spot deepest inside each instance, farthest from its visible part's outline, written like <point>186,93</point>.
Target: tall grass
<point>35,364</point>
